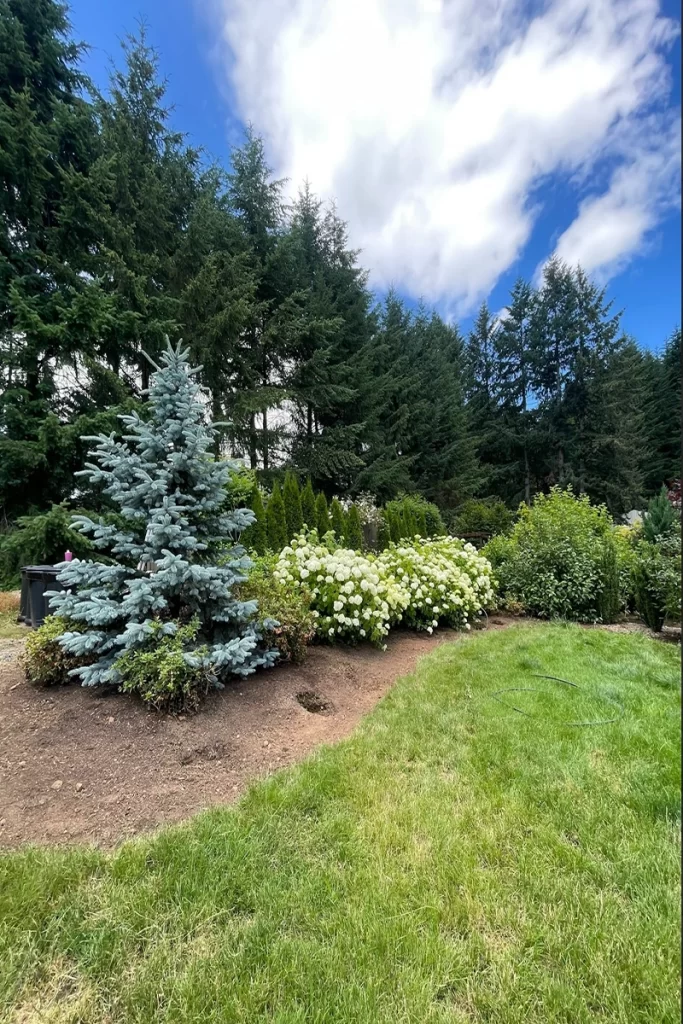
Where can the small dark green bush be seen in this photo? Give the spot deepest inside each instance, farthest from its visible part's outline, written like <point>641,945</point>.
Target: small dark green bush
<point>292,501</point>
<point>288,606</point>
<point>656,572</point>
<point>608,599</point>
<point>254,537</point>
<point>45,662</point>
<point>482,515</point>
<point>167,673</point>
<point>413,514</point>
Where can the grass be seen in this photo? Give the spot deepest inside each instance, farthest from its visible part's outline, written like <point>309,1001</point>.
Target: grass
<point>10,629</point>
<point>454,861</point>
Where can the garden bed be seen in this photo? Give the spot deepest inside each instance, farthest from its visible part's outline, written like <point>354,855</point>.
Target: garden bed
<point>85,765</point>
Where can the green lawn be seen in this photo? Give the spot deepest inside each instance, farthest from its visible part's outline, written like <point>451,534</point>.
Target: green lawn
<point>454,861</point>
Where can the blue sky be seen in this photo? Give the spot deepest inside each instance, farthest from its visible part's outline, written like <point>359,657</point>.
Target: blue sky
<point>459,163</point>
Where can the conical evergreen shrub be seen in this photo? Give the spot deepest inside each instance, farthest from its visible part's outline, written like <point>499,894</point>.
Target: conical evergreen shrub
<point>383,533</point>
<point>292,500</point>
<point>276,523</point>
<point>354,530</point>
<point>164,571</point>
<point>255,535</point>
<point>337,519</point>
<point>322,519</point>
<point>308,512</point>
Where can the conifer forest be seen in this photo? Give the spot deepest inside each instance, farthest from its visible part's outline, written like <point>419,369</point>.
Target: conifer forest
<point>117,233</point>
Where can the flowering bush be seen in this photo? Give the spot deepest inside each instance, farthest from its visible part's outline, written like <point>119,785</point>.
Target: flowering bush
<point>448,582</point>
<point>352,596</point>
<point>366,503</point>
<point>356,596</point>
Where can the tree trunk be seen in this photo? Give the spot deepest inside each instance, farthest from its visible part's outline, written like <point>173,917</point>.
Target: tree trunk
<point>253,457</point>
<point>266,460</point>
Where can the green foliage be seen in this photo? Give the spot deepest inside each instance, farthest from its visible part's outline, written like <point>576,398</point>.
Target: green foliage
<point>383,533</point>
<point>276,523</point>
<point>609,593</point>
<point>45,662</point>
<point>353,536</point>
<point>162,673</point>
<point>656,572</point>
<point>322,519</point>
<point>412,514</point>
<point>287,608</point>
<point>255,536</point>
<point>660,518</point>
<point>292,500</point>
<point>40,540</point>
<point>338,519</point>
<point>308,505</point>
<point>482,515</point>
<point>556,557</point>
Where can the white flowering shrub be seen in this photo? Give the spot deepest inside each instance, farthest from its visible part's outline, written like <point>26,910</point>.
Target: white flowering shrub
<point>353,597</point>
<point>449,582</point>
<point>366,504</point>
<point>425,584</point>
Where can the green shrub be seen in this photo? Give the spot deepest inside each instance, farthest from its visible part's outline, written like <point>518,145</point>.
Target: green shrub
<point>660,518</point>
<point>163,673</point>
<point>289,606</point>
<point>354,532</point>
<point>411,514</point>
<point>383,533</point>
<point>322,518</point>
<point>609,598</point>
<point>554,562</point>
<point>338,519</point>
<point>292,502</point>
<point>656,573</point>
<point>308,505</point>
<point>44,661</point>
<point>40,540</point>
<point>482,515</point>
<point>276,524</point>
<point>255,537</point>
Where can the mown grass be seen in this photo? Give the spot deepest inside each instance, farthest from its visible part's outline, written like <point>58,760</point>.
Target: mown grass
<point>454,861</point>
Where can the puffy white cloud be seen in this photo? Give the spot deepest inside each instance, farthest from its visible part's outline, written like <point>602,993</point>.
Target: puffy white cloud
<point>433,123</point>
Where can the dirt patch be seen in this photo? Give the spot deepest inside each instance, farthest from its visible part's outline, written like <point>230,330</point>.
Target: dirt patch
<point>89,765</point>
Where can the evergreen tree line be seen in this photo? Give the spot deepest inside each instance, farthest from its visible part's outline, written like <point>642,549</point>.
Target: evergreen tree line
<point>116,233</point>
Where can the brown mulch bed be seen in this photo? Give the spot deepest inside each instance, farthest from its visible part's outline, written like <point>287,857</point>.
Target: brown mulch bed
<point>82,765</point>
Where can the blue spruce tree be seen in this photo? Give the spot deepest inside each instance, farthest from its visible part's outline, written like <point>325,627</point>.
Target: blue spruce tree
<point>164,571</point>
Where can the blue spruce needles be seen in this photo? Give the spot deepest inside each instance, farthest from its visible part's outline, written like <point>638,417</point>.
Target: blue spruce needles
<point>175,527</point>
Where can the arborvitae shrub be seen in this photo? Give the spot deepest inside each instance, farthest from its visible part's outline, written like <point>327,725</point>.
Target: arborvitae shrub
<point>354,531</point>
<point>308,506</point>
<point>322,519</point>
<point>660,517</point>
<point>395,525</point>
<point>337,519</point>
<point>383,534</point>
<point>608,600</point>
<point>292,499</point>
<point>254,537</point>
<point>276,521</point>
<point>421,522</point>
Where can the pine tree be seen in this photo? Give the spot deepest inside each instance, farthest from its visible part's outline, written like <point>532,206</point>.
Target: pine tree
<point>255,536</point>
<point>276,522</point>
<point>337,519</point>
<point>353,536</point>
<point>171,495</point>
<point>322,519</point>
<point>308,511</point>
<point>292,500</point>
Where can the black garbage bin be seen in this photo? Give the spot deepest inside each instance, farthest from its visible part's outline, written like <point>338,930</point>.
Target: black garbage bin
<point>35,580</point>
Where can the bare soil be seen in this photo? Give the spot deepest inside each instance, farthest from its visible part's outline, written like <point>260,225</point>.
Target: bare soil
<point>79,765</point>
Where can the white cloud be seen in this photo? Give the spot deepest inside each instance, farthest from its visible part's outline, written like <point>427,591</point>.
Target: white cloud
<point>433,122</point>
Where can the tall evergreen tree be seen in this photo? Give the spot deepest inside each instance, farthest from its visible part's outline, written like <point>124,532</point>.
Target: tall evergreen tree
<point>322,519</point>
<point>337,519</point>
<point>276,522</point>
<point>308,512</point>
<point>292,500</point>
